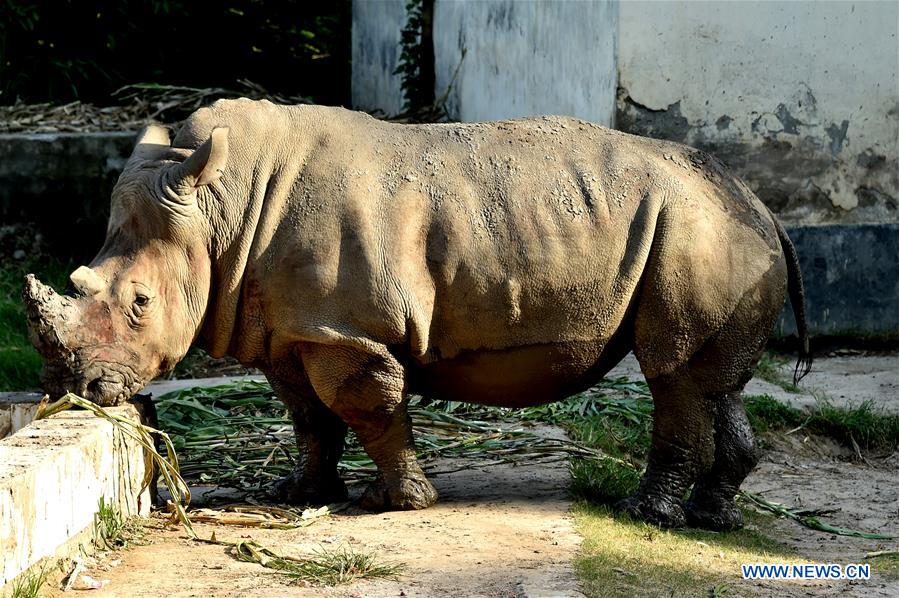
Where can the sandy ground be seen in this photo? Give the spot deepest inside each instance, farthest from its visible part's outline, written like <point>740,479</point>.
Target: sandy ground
<point>861,495</point>
<point>506,531</point>
<point>496,531</point>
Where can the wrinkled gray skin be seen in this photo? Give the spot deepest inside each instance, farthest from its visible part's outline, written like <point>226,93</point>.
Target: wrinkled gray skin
<point>510,263</point>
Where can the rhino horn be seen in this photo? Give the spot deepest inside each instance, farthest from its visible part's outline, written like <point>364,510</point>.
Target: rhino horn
<point>49,316</point>
<point>87,281</point>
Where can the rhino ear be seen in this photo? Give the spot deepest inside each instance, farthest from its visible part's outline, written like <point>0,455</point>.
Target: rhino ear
<point>202,167</point>
<point>152,142</point>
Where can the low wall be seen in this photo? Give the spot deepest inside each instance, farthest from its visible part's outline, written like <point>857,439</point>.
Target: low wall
<point>62,181</point>
<point>851,276</point>
<point>53,474</point>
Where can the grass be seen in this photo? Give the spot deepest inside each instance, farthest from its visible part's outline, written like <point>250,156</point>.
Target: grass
<point>623,557</point>
<point>886,565</point>
<point>238,435</point>
<point>111,529</point>
<point>30,584</point>
<point>864,425</point>
<point>768,369</point>
<point>323,567</point>
<point>109,526</point>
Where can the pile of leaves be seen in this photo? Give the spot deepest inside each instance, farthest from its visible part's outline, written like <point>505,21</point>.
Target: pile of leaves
<point>135,106</point>
<point>239,436</point>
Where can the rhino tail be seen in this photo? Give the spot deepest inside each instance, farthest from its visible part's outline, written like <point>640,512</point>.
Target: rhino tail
<point>796,290</point>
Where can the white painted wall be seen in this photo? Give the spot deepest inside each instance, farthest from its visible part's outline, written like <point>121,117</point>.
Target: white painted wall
<point>526,57</point>
<point>776,72</point>
<point>377,26</point>
<point>800,97</point>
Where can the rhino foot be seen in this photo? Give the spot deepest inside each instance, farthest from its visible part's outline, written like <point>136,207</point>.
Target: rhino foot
<point>714,513</point>
<point>409,493</point>
<point>657,510</point>
<point>296,489</point>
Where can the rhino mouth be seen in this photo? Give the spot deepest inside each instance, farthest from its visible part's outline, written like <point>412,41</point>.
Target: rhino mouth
<point>106,384</point>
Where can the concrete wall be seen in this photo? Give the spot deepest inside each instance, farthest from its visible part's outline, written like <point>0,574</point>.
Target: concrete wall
<point>851,278</point>
<point>521,57</point>
<point>526,58</point>
<point>801,98</point>
<point>377,25</point>
<point>53,473</point>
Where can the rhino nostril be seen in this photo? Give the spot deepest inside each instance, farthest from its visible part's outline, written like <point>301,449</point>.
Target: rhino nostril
<point>93,387</point>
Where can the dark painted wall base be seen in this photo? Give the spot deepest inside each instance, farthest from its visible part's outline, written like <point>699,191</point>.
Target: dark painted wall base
<point>851,275</point>
<point>62,182</point>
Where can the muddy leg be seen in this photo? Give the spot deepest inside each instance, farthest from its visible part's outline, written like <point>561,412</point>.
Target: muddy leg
<point>367,392</point>
<point>320,436</point>
<point>711,505</point>
<point>682,448</point>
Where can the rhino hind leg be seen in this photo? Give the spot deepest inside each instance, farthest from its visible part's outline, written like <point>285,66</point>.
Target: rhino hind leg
<point>320,436</point>
<point>368,392</point>
<point>711,504</point>
<point>682,448</point>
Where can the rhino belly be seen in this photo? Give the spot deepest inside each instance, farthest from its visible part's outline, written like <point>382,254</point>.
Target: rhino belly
<point>516,377</point>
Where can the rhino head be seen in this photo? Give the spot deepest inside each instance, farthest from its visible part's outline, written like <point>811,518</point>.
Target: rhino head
<point>136,309</point>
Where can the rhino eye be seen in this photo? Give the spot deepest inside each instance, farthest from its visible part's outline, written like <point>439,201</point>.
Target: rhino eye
<point>141,300</point>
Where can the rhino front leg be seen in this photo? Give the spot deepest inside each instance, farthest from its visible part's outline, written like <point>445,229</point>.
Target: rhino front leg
<point>320,435</point>
<point>368,392</point>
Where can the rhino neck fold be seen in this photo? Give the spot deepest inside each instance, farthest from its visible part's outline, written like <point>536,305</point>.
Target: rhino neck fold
<point>244,212</point>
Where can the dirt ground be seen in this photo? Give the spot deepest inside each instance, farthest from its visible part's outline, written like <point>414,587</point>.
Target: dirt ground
<point>860,495</point>
<point>496,531</point>
<point>506,530</point>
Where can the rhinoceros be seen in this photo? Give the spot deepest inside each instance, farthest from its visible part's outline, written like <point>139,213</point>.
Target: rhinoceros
<point>356,261</point>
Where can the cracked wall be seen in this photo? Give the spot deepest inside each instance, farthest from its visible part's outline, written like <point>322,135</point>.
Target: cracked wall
<point>800,98</point>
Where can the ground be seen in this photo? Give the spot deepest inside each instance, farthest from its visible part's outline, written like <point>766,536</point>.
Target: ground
<point>512,530</point>
<point>497,531</point>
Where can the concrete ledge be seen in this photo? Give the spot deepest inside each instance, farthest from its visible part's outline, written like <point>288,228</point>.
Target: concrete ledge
<point>53,473</point>
<point>17,410</point>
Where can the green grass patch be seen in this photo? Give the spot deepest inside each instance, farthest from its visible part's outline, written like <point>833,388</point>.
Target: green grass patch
<point>866,425</point>
<point>30,584</point>
<point>112,529</point>
<point>621,428</point>
<point>766,413</point>
<point>623,557</point>
<point>886,565</point>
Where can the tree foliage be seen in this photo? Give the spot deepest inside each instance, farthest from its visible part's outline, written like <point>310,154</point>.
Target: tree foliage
<point>65,50</point>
